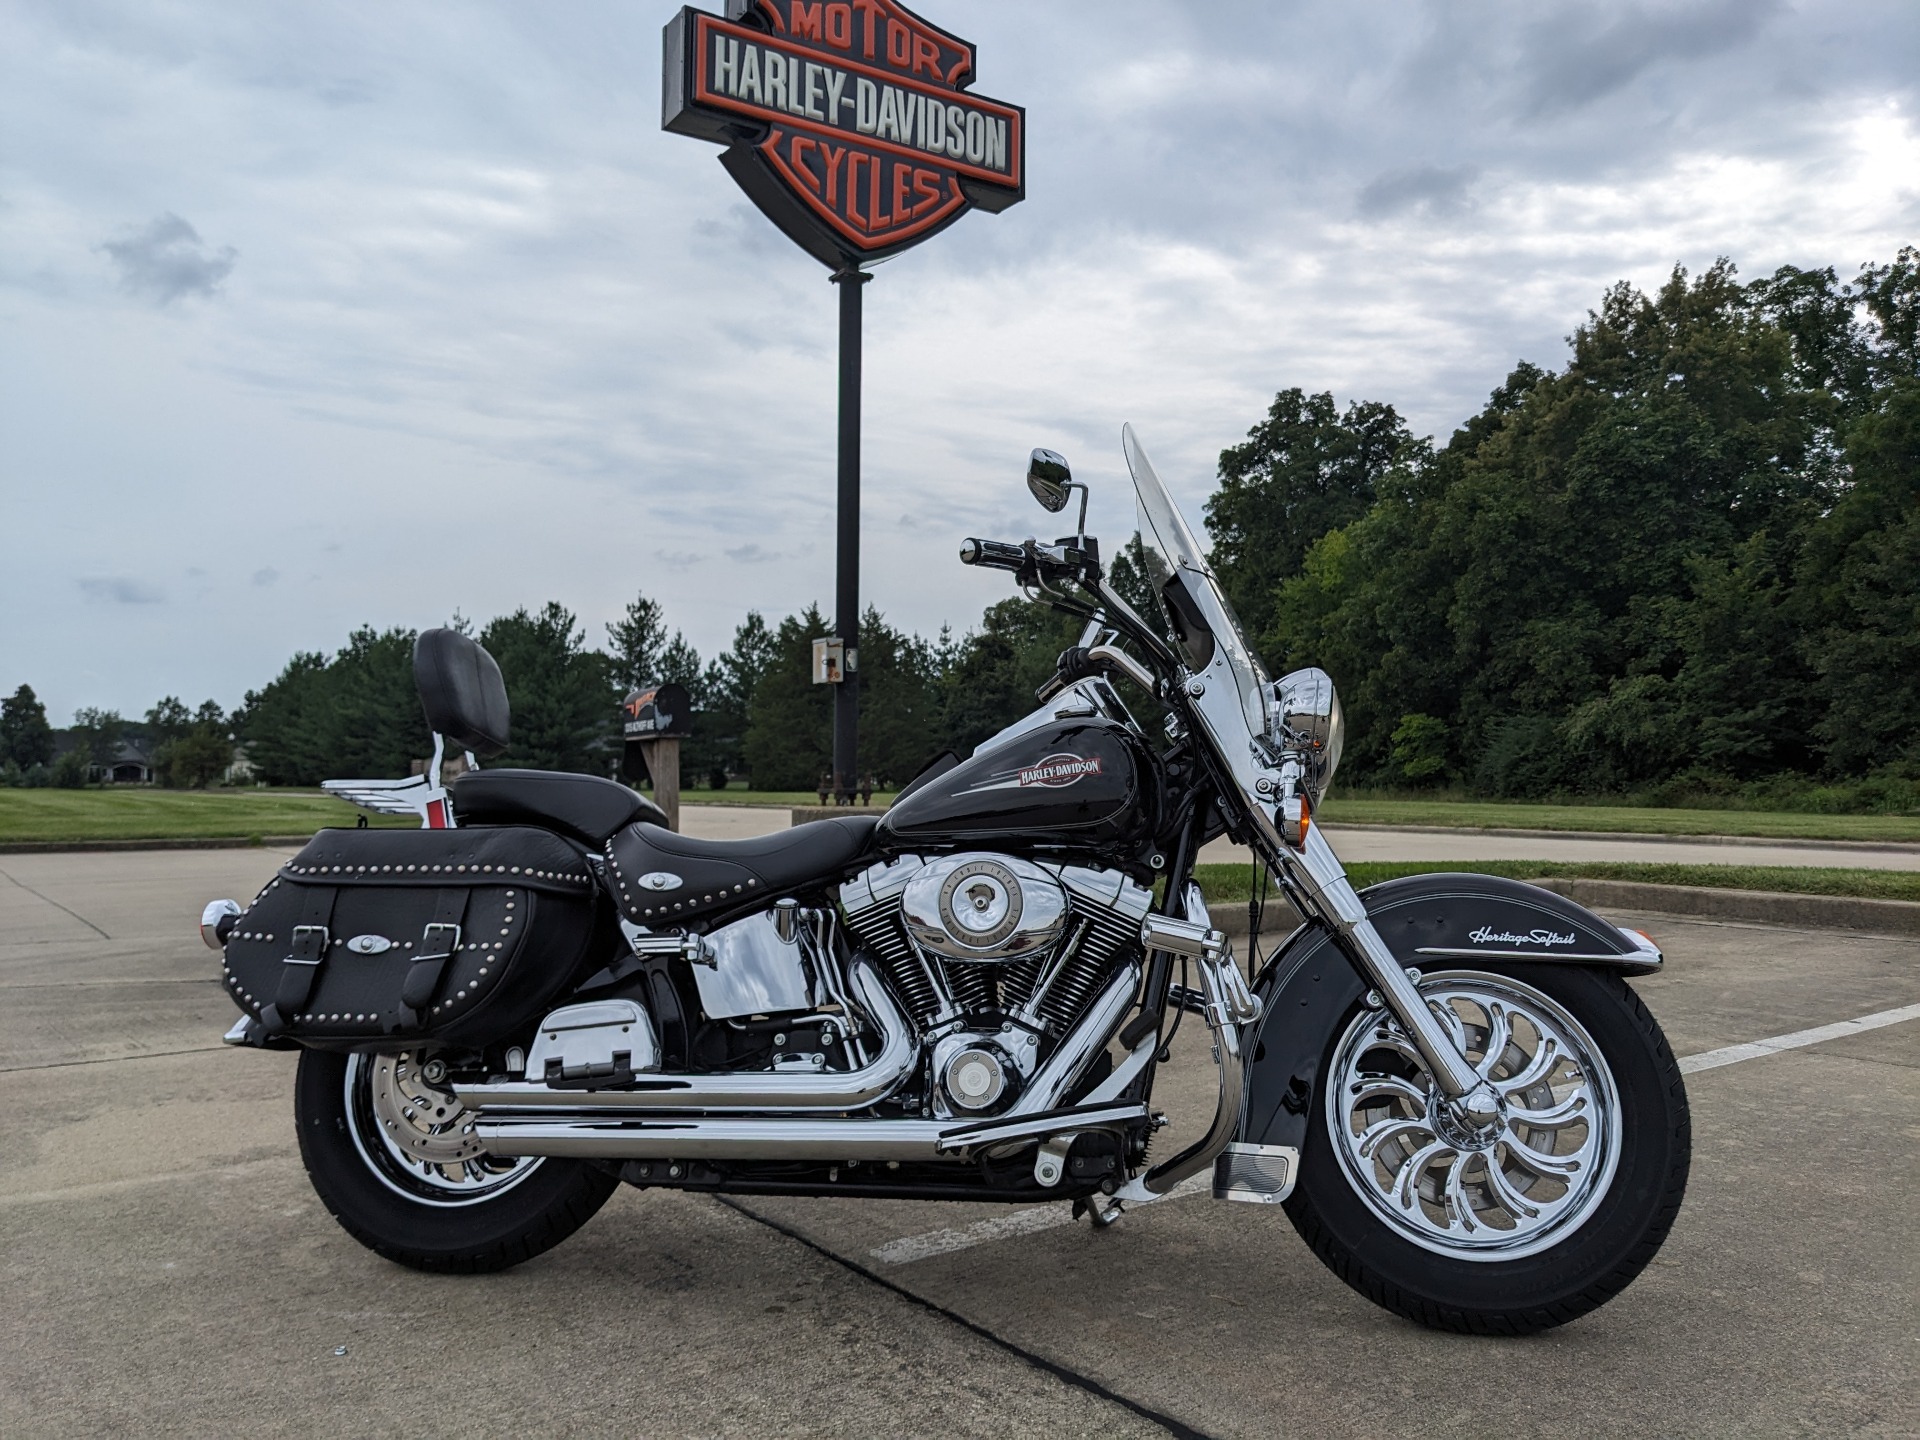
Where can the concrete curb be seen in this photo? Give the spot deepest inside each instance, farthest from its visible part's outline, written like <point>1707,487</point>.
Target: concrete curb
<point>1764,907</point>
<point>804,814</point>
<point>1761,907</point>
<point>56,847</point>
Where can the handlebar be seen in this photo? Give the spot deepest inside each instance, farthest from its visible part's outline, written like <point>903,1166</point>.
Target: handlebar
<point>995,554</point>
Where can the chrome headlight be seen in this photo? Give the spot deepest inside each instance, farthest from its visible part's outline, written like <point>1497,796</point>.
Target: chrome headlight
<point>1307,723</point>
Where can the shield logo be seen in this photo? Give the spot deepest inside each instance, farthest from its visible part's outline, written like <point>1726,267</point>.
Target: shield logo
<point>848,124</point>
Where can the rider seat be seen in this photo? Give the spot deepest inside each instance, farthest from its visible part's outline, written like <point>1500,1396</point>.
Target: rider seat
<point>666,879</point>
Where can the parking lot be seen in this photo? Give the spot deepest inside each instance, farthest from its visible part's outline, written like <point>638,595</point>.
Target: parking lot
<point>168,1270</point>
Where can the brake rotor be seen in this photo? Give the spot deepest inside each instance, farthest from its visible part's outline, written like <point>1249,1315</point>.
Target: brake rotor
<point>423,1120</point>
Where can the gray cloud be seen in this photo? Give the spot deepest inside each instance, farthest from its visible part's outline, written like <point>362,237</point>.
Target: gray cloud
<point>265,576</point>
<point>504,330</point>
<point>167,261</point>
<point>1434,189</point>
<point>1574,57</point>
<point>121,590</point>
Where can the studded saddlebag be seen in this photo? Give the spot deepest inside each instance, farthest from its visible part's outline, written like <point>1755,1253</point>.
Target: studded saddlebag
<point>370,936</point>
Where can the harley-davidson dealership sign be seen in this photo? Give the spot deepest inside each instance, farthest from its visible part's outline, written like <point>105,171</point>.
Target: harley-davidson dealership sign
<point>848,124</point>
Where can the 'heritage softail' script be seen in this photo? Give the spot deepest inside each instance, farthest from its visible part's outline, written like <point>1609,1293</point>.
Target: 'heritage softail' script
<point>1487,935</point>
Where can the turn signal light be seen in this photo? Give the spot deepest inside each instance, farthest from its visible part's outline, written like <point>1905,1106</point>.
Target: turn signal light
<point>1296,814</point>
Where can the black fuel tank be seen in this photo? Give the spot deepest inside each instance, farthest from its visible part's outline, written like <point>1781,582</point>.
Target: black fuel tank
<point>1070,782</point>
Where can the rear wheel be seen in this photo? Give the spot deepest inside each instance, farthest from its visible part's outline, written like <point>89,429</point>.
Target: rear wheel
<point>392,1156</point>
<point>1522,1223</point>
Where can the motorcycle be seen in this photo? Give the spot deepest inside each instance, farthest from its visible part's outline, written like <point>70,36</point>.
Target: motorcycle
<point>1446,1081</point>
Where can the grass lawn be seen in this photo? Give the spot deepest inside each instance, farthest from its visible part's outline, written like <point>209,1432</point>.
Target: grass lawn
<point>1501,815</point>
<point>140,814</point>
<point>1224,884</point>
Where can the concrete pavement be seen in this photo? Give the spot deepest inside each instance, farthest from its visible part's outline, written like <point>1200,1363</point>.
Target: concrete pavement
<point>167,1269</point>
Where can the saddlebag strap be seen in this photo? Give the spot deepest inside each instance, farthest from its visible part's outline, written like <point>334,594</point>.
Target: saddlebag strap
<point>438,943</point>
<point>302,965</point>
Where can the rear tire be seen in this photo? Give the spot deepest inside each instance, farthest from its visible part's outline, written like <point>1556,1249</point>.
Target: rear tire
<point>390,1159</point>
<point>1522,1226</point>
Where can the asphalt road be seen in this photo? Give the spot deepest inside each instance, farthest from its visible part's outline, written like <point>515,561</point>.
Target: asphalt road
<point>167,1270</point>
<point>1372,842</point>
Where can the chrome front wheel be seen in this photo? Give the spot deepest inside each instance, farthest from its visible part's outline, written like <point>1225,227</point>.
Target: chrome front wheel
<point>1535,1211</point>
<point>1494,1190</point>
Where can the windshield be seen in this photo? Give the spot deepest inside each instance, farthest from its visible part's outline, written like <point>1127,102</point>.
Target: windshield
<point>1199,620</point>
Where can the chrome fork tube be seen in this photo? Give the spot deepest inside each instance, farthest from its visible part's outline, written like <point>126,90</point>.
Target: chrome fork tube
<point>1319,872</point>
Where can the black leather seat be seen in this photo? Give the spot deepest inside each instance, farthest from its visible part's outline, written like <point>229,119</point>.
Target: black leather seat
<point>664,878</point>
<point>585,807</point>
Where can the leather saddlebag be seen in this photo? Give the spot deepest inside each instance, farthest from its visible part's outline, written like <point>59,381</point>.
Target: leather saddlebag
<point>366,937</point>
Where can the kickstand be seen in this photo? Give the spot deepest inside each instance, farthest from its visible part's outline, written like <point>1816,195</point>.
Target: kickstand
<point>1102,1212</point>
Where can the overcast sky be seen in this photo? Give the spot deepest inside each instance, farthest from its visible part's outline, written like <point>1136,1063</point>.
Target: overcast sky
<point>321,315</point>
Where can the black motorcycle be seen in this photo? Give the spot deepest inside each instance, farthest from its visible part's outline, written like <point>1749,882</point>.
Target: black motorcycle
<point>1468,1113</point>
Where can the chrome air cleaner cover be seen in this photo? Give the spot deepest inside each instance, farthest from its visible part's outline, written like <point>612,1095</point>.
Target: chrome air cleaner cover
<point>984,908</point>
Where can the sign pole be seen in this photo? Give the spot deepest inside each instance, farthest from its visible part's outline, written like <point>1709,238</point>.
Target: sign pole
<point>852,128</point>
<point>846,590</point>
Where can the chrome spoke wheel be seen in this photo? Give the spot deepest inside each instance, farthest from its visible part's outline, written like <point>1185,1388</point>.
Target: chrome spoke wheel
<point>417,1138</point>
<point>1497,1190</point>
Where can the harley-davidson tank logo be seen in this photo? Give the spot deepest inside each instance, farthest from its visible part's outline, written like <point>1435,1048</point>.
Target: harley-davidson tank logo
<point>1487,935</point>
<point>1057,771</point>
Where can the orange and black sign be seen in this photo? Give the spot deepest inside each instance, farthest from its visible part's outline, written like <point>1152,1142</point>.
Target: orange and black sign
<point>846,123</point>
<point>658,713</point>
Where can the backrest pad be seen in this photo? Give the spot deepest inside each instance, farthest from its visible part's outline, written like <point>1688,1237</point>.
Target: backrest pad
<point>461,691</point>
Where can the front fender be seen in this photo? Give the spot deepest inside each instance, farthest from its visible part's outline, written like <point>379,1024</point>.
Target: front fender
<point>1429,921</point>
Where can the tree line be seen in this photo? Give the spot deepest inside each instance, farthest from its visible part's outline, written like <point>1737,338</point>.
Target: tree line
<point>1686,566</point>
<point>758,714</point>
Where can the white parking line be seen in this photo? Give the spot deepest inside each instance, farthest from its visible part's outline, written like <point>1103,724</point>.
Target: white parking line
<point>1734,1054</point>
<point>911,1248</point>
<point>1019,1222</point>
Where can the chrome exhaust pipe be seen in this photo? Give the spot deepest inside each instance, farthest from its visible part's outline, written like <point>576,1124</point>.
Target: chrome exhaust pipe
<point>762,1090</point>
<point>729,1137</point>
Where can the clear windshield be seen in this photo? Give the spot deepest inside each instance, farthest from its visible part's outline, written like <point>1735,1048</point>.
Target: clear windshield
<point>1199,620</point>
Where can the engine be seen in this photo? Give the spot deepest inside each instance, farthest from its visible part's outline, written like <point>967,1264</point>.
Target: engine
<point>994,958</point>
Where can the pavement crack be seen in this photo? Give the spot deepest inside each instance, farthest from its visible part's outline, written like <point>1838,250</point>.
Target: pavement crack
<point>1039,1362</point>
<point>110,1059</point>
<point>56,905</point>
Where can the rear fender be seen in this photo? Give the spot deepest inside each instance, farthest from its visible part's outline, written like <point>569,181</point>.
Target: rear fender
<point>1428,921</point>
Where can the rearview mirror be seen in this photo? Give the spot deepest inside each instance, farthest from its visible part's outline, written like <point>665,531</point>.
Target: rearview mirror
<point>1050,480</point>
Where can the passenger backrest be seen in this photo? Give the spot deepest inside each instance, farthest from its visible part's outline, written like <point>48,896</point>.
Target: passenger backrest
<point>461,690</point>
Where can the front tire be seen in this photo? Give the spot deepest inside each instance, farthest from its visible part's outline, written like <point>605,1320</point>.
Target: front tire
<point>1523,1224</point>
<point>390,1157</point>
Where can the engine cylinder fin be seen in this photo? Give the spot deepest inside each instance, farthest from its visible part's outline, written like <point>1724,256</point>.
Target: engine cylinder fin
<point>881,933</point>
<point>972,985</point>
<point>1108,937</point>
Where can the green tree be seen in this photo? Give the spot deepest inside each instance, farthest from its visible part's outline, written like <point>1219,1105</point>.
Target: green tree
<point>26,739</point>
<point>99,734</point>
<point>193,748</point>
<point>789,736</point>
<point>564,697</point>
<point>991,679</point>
<point>1861,580</point>
<point>1302,471</point>
<point>726,689</point>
